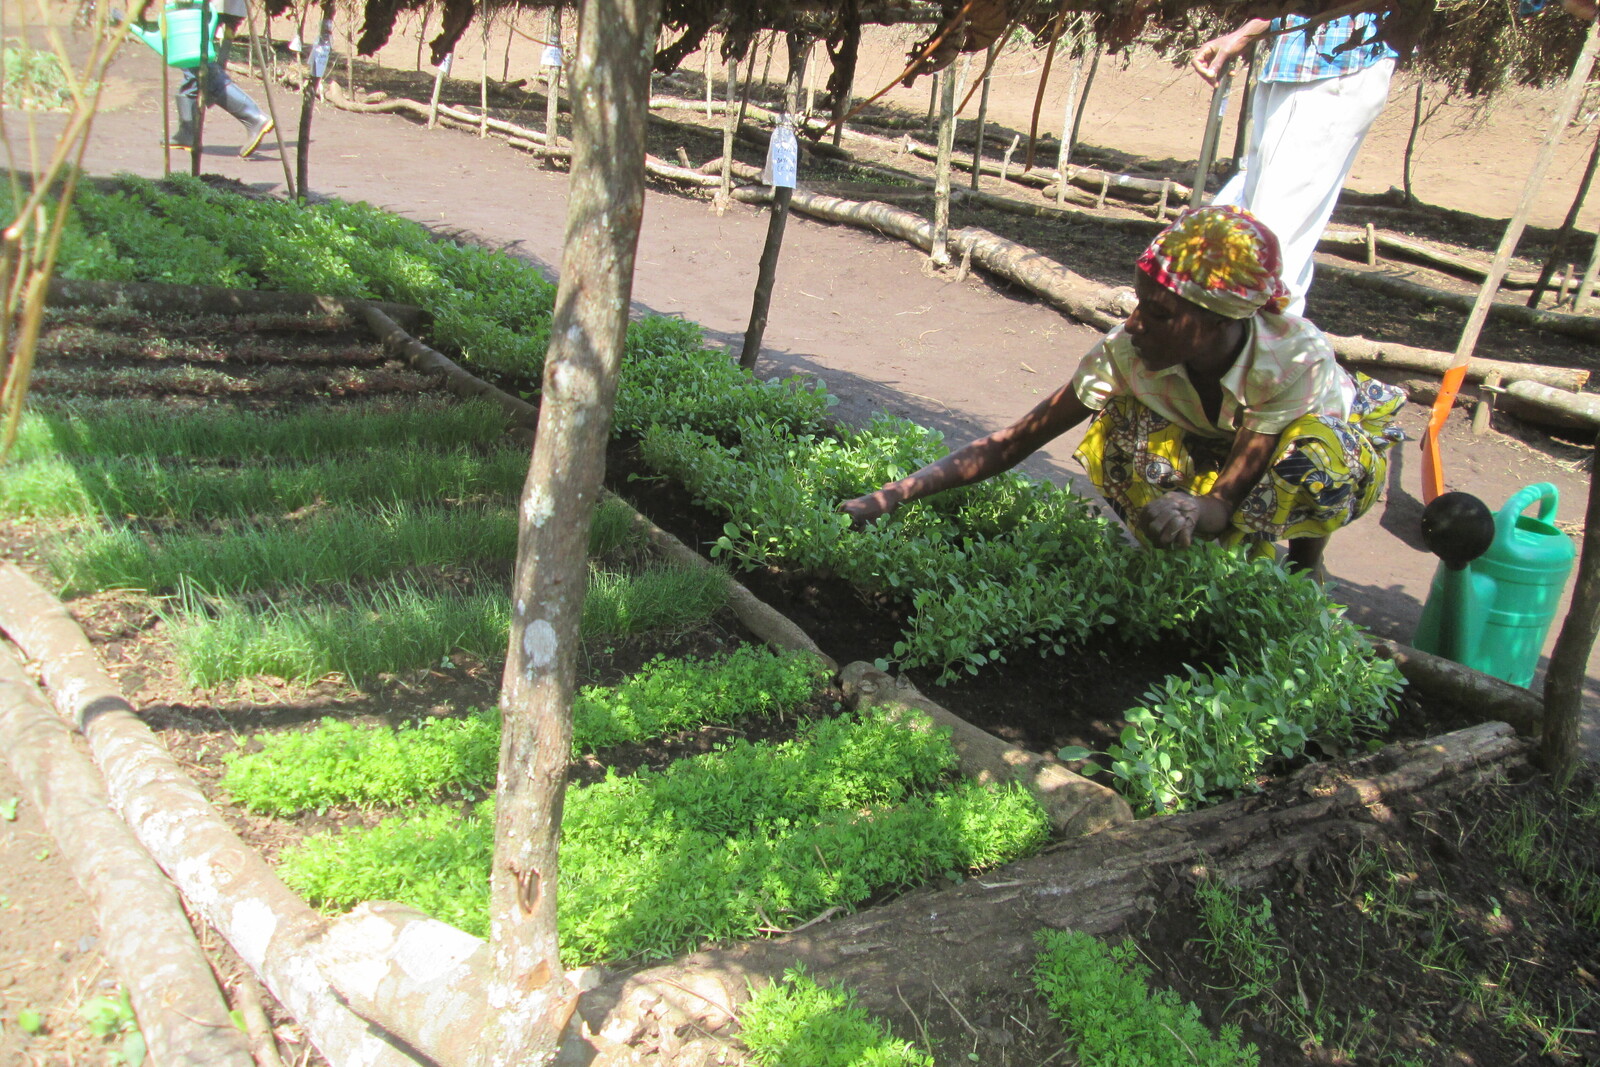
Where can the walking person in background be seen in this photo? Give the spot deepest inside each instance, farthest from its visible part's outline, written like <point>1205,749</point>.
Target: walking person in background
<point>1315,99</point>
<point>220,88</point>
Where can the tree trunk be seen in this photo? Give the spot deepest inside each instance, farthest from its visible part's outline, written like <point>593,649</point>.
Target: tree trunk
<point>1569,660</point>
<point>529,996</point>
<point>1411,141</point>
<point>552,87</point>
<point>308,98</point>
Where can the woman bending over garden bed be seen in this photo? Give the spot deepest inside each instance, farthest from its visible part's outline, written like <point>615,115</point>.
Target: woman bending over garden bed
<point>1215,415</point>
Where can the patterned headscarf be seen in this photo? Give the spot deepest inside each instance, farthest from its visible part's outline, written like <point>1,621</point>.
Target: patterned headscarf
<point>1221,258</point>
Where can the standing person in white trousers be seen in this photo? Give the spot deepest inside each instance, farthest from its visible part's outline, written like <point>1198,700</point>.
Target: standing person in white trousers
<point>1315,100</point>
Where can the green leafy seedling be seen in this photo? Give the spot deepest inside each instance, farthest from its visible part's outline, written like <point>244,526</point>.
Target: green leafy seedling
<point>8,809</point>
<point>30,1021</point>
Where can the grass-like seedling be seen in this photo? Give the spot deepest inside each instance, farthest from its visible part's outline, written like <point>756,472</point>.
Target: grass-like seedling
<point>1102,998</point>
<point>345,763</point>
<point>114,429</point>
<point>142,486</point>
<point>1239,937</point>
<point>399,626</point>
<point>330,548</point>
<point>719,846</point>
<point>798,1023</point>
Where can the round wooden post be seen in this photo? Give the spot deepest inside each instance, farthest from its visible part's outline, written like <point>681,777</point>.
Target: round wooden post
<point>940,253</point>
<point>983,114</point>
<point>202,98</point>
<point>272,107</point>
<point>308,97</point>
<point>765,276</point>
<point>1208,143</point>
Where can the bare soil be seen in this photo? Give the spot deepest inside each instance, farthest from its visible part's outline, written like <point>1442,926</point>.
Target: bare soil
<point>964,356</point>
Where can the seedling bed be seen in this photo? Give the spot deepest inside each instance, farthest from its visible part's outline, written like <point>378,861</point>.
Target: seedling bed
<point>1039,703</point>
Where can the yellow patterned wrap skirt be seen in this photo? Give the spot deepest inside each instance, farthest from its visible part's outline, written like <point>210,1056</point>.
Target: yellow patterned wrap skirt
<point>1326,473</point>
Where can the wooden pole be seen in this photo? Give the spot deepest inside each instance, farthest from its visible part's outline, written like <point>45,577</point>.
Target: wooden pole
<point>1088,85</point>
<point>1064,154</point>
<point>202,99</point>
<point>1208,143</point>
<point>767,271</point>
<point>1558,246</point>
<point>483,72</point>
<point>272,107</point>
<point>1569,659</point>
<point>1005,162</point>
<point>749,82</point>
<point>511,35</point>
<point>983,113</point>
<point>438,83</point>
<point>552,85</point>
<point>729,119</point>
<point>844,76</point>
<point>308,97</point>
<point>1241,131</point>
<point>1585,293</point>
<point>933,96</point>
<point>941,172</point>
<point>1411,140</point>
<point>1432,474</point>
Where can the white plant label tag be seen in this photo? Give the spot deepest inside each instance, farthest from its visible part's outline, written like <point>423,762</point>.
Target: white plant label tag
<point>444,64</point>
<point>783,158</point>
<point>551,57</point>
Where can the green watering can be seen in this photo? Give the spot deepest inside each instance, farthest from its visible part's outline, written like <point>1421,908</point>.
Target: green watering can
<point>1498,584</point>
<point>188,38</point>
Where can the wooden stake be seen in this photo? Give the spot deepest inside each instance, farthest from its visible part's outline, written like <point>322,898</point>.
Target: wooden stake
<point>766,274</point>
<point>272,107</point>
<point>1372,245</point>
<point>706,74</point>
<point>483,72</point>
<point>983,113</point>
<point>1483,412</point>
<point>1161,207</point>
<point>1568,224</point>
<point>438,82</point>
<point>940,253</point>
<point>1433,475</point>
<point>729,119</point>
<point>1208,143</point>
<point>1105,186</point>
<point>308,99</point>
<point>1580,301</point>
<point>1005,163</point>
<point>1064,153</point>
<point>1411,140</point>
<point>552,85</point>
<point>1088,84</point>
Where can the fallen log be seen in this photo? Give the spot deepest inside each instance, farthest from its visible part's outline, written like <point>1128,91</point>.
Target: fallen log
<point>224,880</point>
<point>425,359</point>
<point>1386,354</point>
<point>1541,403</point>
<point>1075,805</point>
<point>1071,293</point>
<point>1096,884</point>
<point>144,933</point>
<point>1460,685</point>
<point>1582,326</point>
<point>1426,254</point>
<point>161,298</point>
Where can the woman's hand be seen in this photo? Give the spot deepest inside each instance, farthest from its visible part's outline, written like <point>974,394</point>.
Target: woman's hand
<point>1176,519</point>
<point>872,507</point>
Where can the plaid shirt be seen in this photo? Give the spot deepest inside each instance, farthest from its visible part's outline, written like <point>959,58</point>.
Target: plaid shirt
<point>1295,59</point>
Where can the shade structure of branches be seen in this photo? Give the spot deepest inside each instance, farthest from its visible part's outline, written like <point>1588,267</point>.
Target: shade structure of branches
<point>1474,47</point>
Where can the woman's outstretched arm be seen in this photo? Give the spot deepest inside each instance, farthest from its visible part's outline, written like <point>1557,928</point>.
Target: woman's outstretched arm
<point>983,458</point>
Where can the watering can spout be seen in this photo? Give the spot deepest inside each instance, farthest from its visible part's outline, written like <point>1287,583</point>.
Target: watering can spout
<point>182,36</point>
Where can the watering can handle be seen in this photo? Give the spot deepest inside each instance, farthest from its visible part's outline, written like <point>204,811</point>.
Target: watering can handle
<point>1545,494</point>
